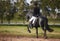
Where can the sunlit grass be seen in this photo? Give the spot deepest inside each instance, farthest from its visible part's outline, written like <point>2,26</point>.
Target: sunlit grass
<point>22,31</point>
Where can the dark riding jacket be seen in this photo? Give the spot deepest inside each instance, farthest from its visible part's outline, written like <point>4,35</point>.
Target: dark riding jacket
<point>36,11</point>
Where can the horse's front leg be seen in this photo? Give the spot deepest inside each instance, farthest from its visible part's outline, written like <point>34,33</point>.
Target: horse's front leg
<point>28,27</point>
<point>37,32</point>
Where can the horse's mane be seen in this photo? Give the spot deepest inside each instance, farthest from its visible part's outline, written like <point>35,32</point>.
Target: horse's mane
<point>29,13</point>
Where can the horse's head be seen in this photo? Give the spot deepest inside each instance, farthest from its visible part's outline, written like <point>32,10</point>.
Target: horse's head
<point>28,16</point>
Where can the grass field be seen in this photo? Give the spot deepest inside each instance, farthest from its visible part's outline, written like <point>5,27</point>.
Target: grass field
<point>22,31</point>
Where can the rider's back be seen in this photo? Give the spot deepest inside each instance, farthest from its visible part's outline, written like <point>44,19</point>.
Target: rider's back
<point>36,11</point>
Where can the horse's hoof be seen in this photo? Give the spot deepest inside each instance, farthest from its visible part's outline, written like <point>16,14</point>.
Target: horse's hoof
<point>45,37</point>
<point>29,31</point>
<point>36,37</point>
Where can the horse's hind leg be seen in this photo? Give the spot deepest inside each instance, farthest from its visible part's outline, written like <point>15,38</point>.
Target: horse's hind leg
<point>47,26</point>
<point>45,35</point>
<point>43,28</point>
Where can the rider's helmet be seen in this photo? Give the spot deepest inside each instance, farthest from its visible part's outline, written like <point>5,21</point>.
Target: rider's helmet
<point>35,3</point>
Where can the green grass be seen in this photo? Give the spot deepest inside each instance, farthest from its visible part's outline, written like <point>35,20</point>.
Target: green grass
<point>54,20</point>
<point>18,20</point>
<point>22,31</point>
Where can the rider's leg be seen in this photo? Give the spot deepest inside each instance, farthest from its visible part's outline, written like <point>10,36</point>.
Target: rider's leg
<point>30,21</point>
<point>34,21</point>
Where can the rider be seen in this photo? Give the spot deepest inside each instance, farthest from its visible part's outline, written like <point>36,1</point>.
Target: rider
<point>36,12</point>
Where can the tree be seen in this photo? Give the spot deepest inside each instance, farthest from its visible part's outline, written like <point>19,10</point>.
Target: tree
<point>22,7</point>
<point>3,9</point>
<point>12,9</point>
<point>5,6</point>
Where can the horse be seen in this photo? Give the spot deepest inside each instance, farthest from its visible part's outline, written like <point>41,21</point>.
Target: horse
<point>39,22</point>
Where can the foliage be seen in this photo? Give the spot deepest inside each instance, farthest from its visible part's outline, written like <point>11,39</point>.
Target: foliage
<point>5,6</point>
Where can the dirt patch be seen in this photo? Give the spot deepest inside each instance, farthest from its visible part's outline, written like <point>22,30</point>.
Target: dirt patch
<point>10,38</point>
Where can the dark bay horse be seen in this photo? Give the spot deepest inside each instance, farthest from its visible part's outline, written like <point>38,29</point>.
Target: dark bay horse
<point>40,22</point>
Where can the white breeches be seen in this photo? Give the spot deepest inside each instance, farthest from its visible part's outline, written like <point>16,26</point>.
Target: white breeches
<point>33,19</point>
